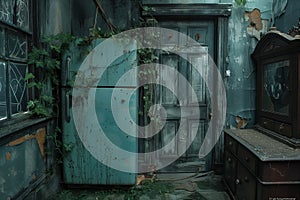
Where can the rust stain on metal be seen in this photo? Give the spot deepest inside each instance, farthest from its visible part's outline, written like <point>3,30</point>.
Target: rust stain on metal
<point>40,136</point>
<point>8,156</point>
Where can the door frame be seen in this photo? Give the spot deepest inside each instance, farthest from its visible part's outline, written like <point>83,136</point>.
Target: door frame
<point>219,12</point>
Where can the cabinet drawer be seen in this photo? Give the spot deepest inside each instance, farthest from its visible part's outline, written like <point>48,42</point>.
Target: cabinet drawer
<point>245,184</point>
<point>247,158</point>
<point>230,170</point>
<point>267,123</point>
<point>279,171</point>
<point>230,144</point>
<point>278,191</point>
<point>283,129</point>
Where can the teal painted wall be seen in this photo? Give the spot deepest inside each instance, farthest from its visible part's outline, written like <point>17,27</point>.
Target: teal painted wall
<point>241,84</point>
<point>122,13</point>
<point>288,14</point>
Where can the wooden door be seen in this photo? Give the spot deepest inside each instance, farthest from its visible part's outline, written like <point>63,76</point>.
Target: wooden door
<point>202,32</point>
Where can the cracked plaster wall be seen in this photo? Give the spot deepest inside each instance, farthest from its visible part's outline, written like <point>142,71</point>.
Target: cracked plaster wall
<point>242,39</point>
<point>241,84</point>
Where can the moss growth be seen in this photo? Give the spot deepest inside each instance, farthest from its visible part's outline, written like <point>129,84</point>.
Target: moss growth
<point>148,188</point>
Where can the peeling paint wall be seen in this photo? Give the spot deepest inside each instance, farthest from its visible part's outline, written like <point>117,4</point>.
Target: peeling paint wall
<point>55,17</point>
<point>22,162</point>
<point>286,14</point>
<point>241,73</point>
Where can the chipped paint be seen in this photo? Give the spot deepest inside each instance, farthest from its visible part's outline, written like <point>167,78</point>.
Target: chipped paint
<point>21,163</point>
<point>256,25</point>
<point>241,122</point>
<point>41,139</point>
<point>254,19</point>
<point>8,156</point>
<point>21,140</point>
<point>241,84</point>
<point>40,136</point>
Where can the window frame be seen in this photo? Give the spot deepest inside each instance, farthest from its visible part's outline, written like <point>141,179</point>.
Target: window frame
<point>30,36</point>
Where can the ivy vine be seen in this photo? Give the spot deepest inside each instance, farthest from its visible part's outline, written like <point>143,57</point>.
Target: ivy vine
<point>45,80</point>
<point>47,62</point>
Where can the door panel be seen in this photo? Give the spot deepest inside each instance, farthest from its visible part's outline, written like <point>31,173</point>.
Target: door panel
<point>195,79</point>
<point>203,32</point>
<point>166,136</point>
<point>167,97</point>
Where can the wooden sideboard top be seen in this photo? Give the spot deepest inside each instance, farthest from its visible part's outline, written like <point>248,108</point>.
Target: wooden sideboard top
<point>263,146</point>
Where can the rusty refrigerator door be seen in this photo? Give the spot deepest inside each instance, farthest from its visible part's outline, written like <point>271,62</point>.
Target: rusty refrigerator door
<point>80,166</point>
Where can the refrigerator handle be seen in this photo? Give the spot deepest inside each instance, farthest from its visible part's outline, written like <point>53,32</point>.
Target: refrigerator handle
<point>68,69</point>
<point>67,109</point>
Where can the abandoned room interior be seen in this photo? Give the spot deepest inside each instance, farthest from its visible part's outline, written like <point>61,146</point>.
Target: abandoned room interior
<point>150,99</point>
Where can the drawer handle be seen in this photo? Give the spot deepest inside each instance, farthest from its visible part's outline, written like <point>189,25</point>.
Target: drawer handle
<point>237,181</point>
<point>229,160</point>
<point>246,179</point>
<point>265,123</point>
<point>230,143</point>
<point>281,127</point>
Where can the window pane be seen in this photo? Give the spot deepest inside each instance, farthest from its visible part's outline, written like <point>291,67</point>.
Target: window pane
<point>22,14</point>
<point>2,42</point>
<point>7,11</point>
<point>17,45</point>
<point>3,108</point>
<point>18,87</point>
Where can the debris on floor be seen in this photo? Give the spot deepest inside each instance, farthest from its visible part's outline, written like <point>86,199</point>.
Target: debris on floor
<point>199,186</point>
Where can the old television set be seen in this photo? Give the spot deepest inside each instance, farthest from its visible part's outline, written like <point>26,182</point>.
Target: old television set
<point>277,60</point>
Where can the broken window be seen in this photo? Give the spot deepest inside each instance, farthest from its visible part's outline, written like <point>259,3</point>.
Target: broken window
<point>15,37</point>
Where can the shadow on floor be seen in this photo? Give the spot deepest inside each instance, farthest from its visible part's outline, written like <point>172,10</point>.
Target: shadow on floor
<point>202,186</point>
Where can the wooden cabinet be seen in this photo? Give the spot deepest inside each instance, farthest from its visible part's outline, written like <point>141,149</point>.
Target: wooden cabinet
<point>258,167</point>
<point>264,163</point>
<point>277,60</point>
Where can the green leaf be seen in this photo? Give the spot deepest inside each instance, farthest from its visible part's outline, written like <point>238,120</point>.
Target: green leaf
<point>39,64</point>
<point>31,84</point>
<point>47,98</point>
<point>29,76</point>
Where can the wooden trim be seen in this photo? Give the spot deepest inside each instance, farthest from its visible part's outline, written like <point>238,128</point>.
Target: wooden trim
<point>297,107</point>
<point>20,128</point>
<point>188,10</point>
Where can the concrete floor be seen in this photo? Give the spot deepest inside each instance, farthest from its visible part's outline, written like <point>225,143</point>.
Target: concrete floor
<point>205,186</point>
